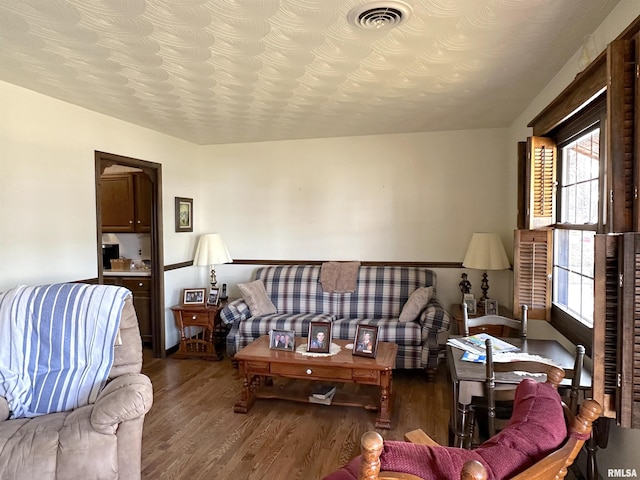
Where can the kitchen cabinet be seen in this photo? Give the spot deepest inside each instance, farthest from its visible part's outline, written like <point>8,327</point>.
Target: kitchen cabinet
<point>126,203</point>
<point>141,289</point>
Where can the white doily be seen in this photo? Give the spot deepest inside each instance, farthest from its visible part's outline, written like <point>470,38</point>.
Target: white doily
<point>333,350</point>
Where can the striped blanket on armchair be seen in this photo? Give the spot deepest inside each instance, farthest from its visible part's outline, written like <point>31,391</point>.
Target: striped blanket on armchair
<point>57,345</point>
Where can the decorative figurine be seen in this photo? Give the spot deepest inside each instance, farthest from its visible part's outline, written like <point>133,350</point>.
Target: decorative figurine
<point>465,285</point>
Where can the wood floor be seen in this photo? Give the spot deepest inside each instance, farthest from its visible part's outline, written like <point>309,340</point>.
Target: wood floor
<point>192,432</point>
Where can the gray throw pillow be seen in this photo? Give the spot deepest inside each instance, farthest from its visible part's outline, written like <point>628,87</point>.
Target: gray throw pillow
<point>416,304</point>
<point>255,295</point>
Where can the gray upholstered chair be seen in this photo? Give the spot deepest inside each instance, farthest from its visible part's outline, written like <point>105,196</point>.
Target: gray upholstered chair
<point>99,441</point>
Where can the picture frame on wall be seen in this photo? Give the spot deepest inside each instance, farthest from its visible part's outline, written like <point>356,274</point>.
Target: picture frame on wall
<point>184,214</point>
<point>490,307</point>
<point>319,338</point>
<point>366,342</point>
<point>214,296</point>
<point>193,296</point>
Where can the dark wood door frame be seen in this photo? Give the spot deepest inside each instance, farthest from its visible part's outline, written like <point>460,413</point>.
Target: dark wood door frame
<point>154,171</point>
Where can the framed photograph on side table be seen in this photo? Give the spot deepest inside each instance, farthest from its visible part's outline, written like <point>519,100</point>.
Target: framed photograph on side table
<point>282,340</point>
<point>471,305</point>
<point>319,338</point>
<point>490,307</point>
<point>193,296</point>
<point>214,296</point>
<point>366,341</point>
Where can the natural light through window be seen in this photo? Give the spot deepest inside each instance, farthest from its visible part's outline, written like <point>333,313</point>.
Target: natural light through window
<point>573,268</point>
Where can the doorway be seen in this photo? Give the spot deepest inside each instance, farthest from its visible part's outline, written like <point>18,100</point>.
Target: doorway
<point>154,172</point>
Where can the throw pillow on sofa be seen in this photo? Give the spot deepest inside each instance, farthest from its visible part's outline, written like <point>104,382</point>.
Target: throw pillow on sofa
<point>255,295</point>
<point>416,304</point>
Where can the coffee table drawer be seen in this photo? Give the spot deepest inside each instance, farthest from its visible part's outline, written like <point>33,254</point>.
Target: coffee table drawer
<point>257,367</point>
<point>367,376</point>
<point>311,371</point>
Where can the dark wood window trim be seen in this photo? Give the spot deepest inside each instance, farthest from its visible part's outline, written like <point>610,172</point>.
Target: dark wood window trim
<point>587,85</point>
<point>576,332</point>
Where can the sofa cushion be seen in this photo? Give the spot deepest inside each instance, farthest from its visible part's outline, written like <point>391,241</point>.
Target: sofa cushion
<point>389,330</point>
<point>416,304</point>
<point>256,297</point>
<point>382,291</point>
<point>296,288</point>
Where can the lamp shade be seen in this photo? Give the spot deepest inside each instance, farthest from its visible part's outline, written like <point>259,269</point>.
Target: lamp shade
<point>486,252</point>
<point>211,250</point>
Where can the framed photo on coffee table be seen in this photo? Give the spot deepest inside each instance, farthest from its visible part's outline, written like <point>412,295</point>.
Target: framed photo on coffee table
<point>366,341</point>
<point>319,338</point>
<point>282,340</point>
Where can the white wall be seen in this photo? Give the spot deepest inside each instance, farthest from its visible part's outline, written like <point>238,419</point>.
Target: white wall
<point>393,197</point>
<point>622,450</point>
<point>410,197</point>
<point>47,187</point>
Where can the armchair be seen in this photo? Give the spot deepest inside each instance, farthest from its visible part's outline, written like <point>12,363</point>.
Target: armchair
<point>101,440</point>
<point>536,445</point>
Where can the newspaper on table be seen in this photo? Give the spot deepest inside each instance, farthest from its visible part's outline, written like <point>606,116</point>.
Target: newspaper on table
<point>475,344</point>
<point>508,357</point>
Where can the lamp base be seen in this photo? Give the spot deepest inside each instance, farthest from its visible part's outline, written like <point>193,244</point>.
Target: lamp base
<point>484,286</point>
<point>214,280</point>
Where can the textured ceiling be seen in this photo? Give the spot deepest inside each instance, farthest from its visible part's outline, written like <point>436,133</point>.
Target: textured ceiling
<point>226,71</point>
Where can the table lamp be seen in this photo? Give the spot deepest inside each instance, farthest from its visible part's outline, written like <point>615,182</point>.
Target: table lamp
<point>486,252</point>
<point>211,250</point>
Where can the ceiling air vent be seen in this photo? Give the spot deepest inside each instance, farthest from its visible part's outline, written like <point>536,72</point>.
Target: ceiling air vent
<point>378,15</point>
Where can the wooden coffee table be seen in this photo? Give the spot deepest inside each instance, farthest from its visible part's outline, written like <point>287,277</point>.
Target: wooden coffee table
<point>258,364</point>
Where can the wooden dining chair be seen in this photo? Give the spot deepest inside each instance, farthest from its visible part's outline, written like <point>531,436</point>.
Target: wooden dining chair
<point>496,391</point>
<point>519,326</point>
<point>505,392</point>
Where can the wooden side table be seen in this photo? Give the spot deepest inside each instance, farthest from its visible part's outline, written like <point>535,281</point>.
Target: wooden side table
<point>201,344</point>
<point>495,330</point>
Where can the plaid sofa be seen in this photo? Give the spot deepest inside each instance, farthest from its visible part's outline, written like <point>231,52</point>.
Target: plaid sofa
<point>380,294</point>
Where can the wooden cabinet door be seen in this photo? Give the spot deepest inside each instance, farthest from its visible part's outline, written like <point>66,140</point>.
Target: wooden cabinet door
<point>143,202</point>
<point>117,204</point>
<point>141,289</point>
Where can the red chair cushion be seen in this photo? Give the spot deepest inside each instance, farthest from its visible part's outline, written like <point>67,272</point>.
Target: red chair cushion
<point>536,428</point>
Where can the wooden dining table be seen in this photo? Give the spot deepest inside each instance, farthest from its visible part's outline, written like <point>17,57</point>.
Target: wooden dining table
<point>468,378</point>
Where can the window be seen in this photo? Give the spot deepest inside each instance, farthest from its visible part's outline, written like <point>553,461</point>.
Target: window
<point>564,185</point>
<point>573,239</point>
<point>547,244</point>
